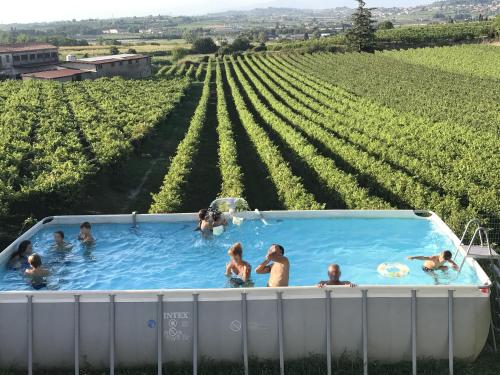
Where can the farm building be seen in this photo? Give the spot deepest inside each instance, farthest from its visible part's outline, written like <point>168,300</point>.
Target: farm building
<point>18,59</point>
<point>60,74</point>
<point>124,65</point>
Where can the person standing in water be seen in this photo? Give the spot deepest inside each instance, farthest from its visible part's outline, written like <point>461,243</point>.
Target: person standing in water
<point>276,265</point>
<point>334,277</point>
<point>86,233</point>
<point>37,273</point>
<point>237,269</point>
<point>20,258</point>
<point>59,243</point>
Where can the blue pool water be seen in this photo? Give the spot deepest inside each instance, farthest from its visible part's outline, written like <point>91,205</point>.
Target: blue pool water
<point>172,255</point>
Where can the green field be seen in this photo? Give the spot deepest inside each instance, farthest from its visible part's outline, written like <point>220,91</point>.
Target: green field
<point>411,129</point>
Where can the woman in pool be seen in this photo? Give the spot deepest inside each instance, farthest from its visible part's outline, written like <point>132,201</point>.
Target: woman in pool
<point>237,269</point>
<point>37,273</point>
<point>20,258</point>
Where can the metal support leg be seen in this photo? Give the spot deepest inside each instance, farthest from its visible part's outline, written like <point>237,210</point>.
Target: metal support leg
<point>414,331</point>
<point>111,334</point>
<point>450,331</point>
<point>328,303</point>
<point>280,332</point>
<point>159,333</point>
<point>244,327</point>
<point>195,334</point>
<point>77,333</point>
<point>364,294</point>
<point>30,335</point>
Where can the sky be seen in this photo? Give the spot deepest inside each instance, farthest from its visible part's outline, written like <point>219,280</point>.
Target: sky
<point>53,10</point>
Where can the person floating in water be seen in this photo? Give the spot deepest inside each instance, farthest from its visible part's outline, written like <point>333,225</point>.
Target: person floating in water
<point>210,218</point>
<point>334,277</point>
<point>278,270</point>
<point>437,262</point>
<point>86,233</point>
<point>237,269</point>
<point>37,273</point>
<point>59,242</point>
<point>19,259</point>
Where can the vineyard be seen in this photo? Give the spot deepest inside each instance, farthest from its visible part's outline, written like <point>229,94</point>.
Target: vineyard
<point>53,138</point>
<point>413,129</point>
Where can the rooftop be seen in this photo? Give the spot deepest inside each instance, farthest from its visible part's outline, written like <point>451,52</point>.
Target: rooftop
<point>25,47</point>
<point>54,74</point>
<point>110,58</point>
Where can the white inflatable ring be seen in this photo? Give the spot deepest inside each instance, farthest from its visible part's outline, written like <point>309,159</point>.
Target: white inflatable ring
<point>393,269</point>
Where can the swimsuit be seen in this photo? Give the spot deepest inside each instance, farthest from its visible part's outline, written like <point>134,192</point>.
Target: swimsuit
<point>426,269</point>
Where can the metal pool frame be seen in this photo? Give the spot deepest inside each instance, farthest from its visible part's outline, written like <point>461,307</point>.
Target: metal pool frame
<point>129,328</point>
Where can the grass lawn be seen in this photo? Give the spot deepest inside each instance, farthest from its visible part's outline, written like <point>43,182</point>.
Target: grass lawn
<point>487,364</point>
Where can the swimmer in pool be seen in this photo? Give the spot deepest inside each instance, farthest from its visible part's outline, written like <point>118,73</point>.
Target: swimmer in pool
<point>86,233</point>
<point>59,243</point>
<point>210,218</point>
<point>237,269</point>
<point>334,277</point>
<point>19,259</point>
<point>437,262</point>
<point>36,272</point>
<point>278,270</point>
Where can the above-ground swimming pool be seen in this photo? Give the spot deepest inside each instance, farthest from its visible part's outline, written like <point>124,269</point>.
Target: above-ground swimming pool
<point>152,290</point>
<point>174,256</point>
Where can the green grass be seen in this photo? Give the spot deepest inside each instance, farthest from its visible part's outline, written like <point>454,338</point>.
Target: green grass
<point>486,364</point>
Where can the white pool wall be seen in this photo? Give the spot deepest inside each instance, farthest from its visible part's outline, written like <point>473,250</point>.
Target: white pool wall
<point>190,324</point>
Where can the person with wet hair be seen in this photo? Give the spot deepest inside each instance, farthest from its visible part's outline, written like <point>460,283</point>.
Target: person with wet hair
<point>437,262</point>
<point>19,259</point>
<point>85,235</point>
<point>276,265</point>
<point>237,269</point>
<point>37,272</point>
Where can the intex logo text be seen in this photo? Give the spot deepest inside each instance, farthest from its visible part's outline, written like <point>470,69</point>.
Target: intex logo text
<point>176,315</point>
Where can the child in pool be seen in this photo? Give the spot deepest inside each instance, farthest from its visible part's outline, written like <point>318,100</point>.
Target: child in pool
<point>334,277</point>
<point>36,272</point>
<point>237,269</point>
<point>437,262</point>
<point>59,243</point>
<point>86,233</point>
<point>20,258</point>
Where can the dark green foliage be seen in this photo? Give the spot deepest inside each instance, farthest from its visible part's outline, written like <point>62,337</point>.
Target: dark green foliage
<point>204,45</point>
<point>361,37</point>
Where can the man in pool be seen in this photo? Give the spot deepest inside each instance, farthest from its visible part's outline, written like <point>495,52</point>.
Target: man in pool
<point>278,270</point>
<point>437,262</point>
<point>85,233</point>
<point>334,277</point>
<point>237,269</point>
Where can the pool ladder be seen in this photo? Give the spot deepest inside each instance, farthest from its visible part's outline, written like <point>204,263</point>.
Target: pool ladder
<point>484,251</point>
<point>481,251</point>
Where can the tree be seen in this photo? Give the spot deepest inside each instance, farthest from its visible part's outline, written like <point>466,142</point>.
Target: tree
<point>132,51</point>
<point>385,25</point>
<point>240,44</point>
<point>114,50</point>
<point>179,53</point>
<point>204,45</point>
<point>361,37</point>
